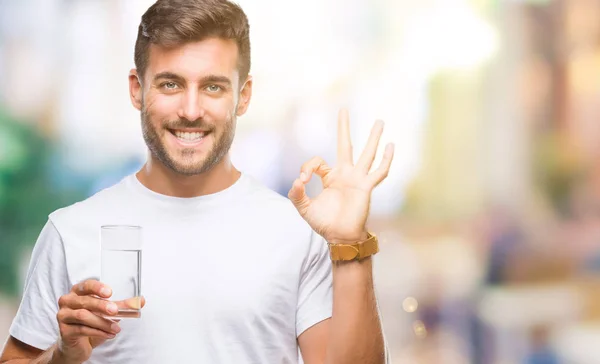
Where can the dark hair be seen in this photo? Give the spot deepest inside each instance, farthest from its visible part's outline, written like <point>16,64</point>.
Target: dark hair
<point>171,23</point>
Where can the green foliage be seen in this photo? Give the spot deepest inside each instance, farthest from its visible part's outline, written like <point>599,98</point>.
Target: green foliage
<point>26,195</point>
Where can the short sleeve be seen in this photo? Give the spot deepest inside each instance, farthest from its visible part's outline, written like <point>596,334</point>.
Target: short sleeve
<point>315,300</point>
<point>35,323</point>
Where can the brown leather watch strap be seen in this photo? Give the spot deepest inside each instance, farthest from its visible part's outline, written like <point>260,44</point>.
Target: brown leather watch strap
<point>356,251</point>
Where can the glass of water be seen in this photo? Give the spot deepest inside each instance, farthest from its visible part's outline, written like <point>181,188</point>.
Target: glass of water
<point>121,267</point>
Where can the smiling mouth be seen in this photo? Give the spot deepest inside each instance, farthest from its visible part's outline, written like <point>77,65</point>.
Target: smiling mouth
<point>189,136</point>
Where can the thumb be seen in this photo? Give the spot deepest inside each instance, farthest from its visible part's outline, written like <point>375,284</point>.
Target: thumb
<point>297,195</point>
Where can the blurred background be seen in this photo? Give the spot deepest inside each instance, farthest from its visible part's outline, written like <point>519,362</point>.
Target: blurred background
<point>490,217</point>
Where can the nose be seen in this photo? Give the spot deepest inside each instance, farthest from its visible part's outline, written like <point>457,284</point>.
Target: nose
<point>191,108</point>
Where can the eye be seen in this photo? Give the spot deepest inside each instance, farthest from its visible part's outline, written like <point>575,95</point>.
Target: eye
<point>170,85</point>
<point>213,88</point>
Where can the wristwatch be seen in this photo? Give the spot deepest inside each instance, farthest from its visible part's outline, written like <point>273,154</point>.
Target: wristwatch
<point>355,251</point>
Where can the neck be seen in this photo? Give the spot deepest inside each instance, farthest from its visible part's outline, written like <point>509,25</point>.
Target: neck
<point>160,179</point>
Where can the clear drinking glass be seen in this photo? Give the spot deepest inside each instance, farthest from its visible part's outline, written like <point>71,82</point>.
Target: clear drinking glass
<point>121,267</point>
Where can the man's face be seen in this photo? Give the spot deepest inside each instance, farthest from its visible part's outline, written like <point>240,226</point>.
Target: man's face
<point>189,103</point>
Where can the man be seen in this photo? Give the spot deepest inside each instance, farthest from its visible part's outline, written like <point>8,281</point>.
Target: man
<point>233,273</point>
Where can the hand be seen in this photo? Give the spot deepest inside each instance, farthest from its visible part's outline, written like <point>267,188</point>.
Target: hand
<point>339,213</point>
<point>82,327</point>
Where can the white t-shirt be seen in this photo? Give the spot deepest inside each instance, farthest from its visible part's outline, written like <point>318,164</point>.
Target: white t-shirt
<point>231,277</point>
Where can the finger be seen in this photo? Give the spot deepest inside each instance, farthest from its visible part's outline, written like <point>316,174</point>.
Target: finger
<point>382,171</point>
<point>133,303</point>
<point>86,318</point>
<point>92,287</point>
<point>69,332</point>
<point>92,304</point>
<point>344,147</point>
<point>368,155</point>
<point>316,165</point>
<point>297,195</point>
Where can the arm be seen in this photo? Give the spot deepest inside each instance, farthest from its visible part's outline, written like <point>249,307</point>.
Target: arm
<point>339,214</point>
<point>35,328</point>
<point>82,328</point>
<point>353,334</point>
<point>50,312</point>
<point>17,352</point>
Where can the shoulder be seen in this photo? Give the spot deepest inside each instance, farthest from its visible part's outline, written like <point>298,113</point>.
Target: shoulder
<point>78,227</point>
<point>101,203</point>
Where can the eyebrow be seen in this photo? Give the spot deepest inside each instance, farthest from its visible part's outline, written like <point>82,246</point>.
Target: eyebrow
<point>205,79</point>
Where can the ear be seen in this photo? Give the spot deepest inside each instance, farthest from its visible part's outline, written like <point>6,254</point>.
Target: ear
<point>135,89</point>
<point>245,95</point>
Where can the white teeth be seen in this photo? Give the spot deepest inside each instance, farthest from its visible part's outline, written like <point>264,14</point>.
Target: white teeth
<point>189,136</point>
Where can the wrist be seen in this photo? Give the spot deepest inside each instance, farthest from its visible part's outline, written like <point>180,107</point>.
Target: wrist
<point>59,357</point>
<point>351,240</point>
